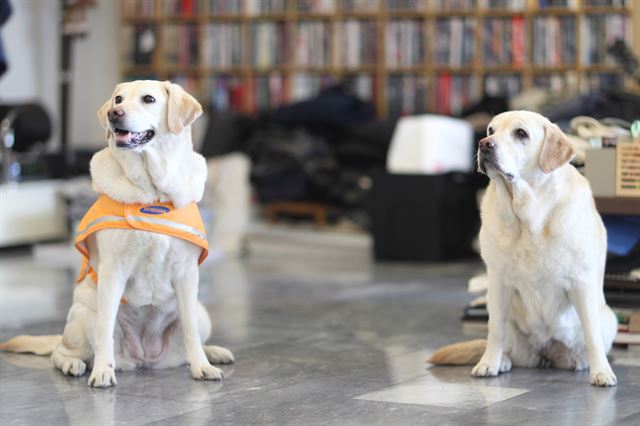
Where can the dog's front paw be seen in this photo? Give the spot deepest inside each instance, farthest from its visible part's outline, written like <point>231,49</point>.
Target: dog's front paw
<point>219,355</point>
<point>102,377</point>
<point>206,371</point>
<point>603,377</point>
<point>484,370</point>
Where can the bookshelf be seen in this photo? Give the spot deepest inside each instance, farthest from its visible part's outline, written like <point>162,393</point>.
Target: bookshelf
<point>406,56</point>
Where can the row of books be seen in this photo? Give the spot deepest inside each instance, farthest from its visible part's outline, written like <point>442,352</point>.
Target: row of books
<point>181,7</point>
<point>405,94</point>
<point>224,46</point>
<point>502,4</point>
<point>628,326</point>
<point>213,7</point>
<point>455,46</point>
<point>455,43</point>
<point>139,8</point>
<point>357,41</point>
<point>147,8</point>
<point>404,41</point>
<point>312,44</point>
<point>454,92</point>
<point>269,42</point>
<point>599,32</point>
<point>263,92</point>
<point>554,41</point>
<point>504,41</point>
<point>595,81</point>
<point>181,45</point>
<point>315,6</point>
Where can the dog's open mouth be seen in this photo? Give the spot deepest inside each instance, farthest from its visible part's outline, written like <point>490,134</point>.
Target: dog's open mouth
<point>127,139</point>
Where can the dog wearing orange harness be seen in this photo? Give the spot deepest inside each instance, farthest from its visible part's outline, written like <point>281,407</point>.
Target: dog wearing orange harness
<point>136,302</point>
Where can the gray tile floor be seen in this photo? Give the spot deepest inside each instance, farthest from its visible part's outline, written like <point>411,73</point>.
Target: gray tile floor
<point>317,343</point>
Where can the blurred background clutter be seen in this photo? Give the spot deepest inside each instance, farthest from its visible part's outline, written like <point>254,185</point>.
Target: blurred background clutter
<point>342,197</point>
<point>342,128</point>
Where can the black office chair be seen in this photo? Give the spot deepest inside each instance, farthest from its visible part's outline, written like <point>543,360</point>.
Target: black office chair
<point>24,131</point>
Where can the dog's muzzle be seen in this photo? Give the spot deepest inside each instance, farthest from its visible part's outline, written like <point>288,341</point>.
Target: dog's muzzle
<point>487,158</point>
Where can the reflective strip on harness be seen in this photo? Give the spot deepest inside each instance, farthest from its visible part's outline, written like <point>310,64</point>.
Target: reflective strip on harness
<point>98,221</point>
<point>168,223</point>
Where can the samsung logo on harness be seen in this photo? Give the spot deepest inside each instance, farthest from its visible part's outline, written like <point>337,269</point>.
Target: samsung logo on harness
<point>155,210</point>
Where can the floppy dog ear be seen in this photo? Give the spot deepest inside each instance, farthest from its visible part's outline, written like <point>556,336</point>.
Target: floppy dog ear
<point>102,116</point>
<point>102,113</point>
<point>182,108</point>
<point>556,149</point>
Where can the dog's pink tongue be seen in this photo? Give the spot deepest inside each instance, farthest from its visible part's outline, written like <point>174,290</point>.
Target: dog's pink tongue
<point>123,136</point>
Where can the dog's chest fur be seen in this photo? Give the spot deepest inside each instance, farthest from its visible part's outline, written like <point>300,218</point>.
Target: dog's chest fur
<point>149,262</point>
<point>538,263</point>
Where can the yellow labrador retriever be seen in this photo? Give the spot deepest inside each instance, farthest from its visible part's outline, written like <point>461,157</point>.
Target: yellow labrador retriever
<point>544,246</point>
<point>149,161</point>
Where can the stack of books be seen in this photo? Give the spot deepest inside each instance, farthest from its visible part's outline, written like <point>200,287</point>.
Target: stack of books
<point>628,327</point>
<point>455,44</point>
<point>181,45</point>
<point>600,31</point>
<point>554,42</point>
<point>475,317</point>
<point>357,41</point>
<point>404,43</point>
<point>504,42</point>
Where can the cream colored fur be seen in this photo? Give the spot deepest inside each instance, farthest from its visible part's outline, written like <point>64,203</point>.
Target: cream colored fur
<point>544,246</point>
<point>162,324</point>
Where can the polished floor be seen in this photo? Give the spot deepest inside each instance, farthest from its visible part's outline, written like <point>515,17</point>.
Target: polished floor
<point>316,343</point>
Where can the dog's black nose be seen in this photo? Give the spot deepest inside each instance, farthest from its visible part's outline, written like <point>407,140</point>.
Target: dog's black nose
<point>115,113</point>
<point>487,144</point>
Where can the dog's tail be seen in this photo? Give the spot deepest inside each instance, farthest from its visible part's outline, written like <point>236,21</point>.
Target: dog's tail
<point>465,353</point>
<point>39,345</point>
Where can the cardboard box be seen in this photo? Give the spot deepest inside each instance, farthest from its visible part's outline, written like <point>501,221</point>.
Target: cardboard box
<point>628,170</point>
<point>600,171</point>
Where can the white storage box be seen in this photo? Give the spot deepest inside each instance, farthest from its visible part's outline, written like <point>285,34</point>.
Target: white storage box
<point>431,144</point>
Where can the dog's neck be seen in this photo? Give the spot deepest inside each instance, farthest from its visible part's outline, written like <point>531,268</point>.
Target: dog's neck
<point>529,200</point>
<point>162,172</point>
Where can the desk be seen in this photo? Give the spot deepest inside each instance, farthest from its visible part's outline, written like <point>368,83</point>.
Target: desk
<point>31,212</point>
<point>618,205</point>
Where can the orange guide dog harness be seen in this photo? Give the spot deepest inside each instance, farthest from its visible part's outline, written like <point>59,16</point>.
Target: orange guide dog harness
<point>163,218</point>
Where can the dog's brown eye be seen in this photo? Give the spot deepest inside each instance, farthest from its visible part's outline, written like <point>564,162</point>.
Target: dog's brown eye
<point>148,99</point>
<point>490,131</point>
<point>521,134</point>
<point>118,99</point>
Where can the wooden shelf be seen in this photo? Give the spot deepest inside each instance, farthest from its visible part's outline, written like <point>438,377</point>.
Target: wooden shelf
<point>618,205</point>
<point>380,72</point>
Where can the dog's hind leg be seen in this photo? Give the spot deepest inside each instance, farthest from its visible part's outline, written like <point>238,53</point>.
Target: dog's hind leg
<point>558,355</point>
<point>74,350</point>
<point>519,350</point>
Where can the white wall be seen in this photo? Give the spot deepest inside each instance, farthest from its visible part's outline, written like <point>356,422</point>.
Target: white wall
<point>96,71</point>
<point>31,39</point>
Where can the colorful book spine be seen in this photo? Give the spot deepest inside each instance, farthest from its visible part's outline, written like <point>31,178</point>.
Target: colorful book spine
<point>504,43</point>
<point>502,85</point>
<point>406,94</point>
<point>181,45</point>
<point>357,43</point>
<point>223,45</point>
<point>311,46</point>
<point>139,8</point>
<point>404,43</point>
<point>358,6</point>
<point>598,33</point>
<point>269,44</point>
<point>455,43</point>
